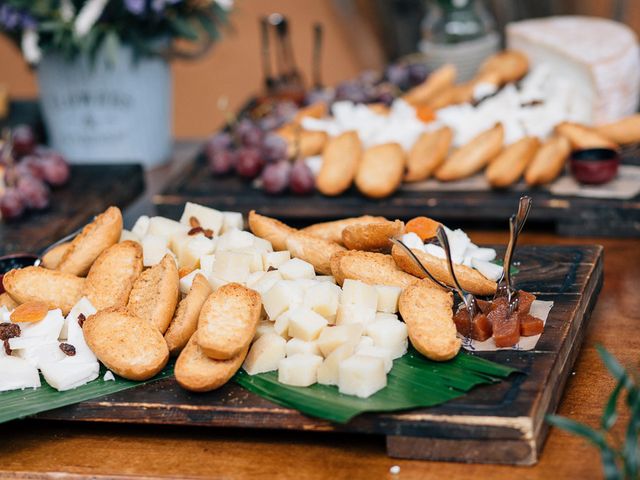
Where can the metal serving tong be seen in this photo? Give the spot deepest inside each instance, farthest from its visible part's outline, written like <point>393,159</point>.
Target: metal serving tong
<point>64,239</point>
<point>516,223</point>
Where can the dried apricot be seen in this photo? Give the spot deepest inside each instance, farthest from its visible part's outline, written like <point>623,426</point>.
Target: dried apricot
<point>29,312</point>
<point>424,227</point>
<point>425,113</point>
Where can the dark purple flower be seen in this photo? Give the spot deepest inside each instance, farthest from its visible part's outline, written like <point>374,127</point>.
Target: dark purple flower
<point>9,17</point>
<point>159,5</point>
<point>135,6</point>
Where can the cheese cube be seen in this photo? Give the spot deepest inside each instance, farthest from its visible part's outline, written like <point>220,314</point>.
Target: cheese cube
<point>265,354</point>
<point>355,314</point>
<point>332,337</point>
<point>206,263</point>
<point>324,299</point>
<point>355,292</point>
<point>274,259</point>
<point>217,282</point>
<point>141,227</point>
<point>264,282</point>
<point>235,240</point>
<point>127,235</point>
<point>197,246</point>
<point>281,325</point>
<point>295,268</point>
<point>365,342</point>
<point>305,324</point>
<point>388,296</point>
<point>295,346</point>
<point>284,295</point>
<point>187,280</point>
<point>231,221</point>
<point>261,245</point>
<point>17,373</point>
<point>326,278</point>
<point>361,375</point>
<point>390,334</point>
<point>232,266</point>
<point>383,353</point>
<point>256,258</point>
<point>386,316</point>
<point>165,227</point>
<point>264,327</point>
<point>154,247</point>
<point>299,370</point>
<point>328,371</point>
<point>207,217</point>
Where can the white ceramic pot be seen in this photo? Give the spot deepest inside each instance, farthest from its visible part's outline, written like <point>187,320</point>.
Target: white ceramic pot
<point>112,112</point>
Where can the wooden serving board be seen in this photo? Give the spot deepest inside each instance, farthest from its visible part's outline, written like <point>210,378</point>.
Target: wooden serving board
<point>500,423</point>
<point>573,216</point>
<point>91,189</point>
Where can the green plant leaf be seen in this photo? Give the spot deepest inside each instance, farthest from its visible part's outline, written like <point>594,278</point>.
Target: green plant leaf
<point>209,25</point>
<point>610,362</point>
<point>183,28</point>
<point>414,381</point>
<point>21,403</point>
<point>610,415</point>
<point>631,449</point>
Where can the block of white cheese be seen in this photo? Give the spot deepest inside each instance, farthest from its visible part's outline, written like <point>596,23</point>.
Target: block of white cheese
<point>206,217</point>
<point>598,57</point>
<point>299,370</point>
<point>361,375</point>
<point>265,354</point>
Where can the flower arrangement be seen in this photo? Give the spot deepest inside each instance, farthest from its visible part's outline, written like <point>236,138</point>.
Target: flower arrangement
<point>149,27</point>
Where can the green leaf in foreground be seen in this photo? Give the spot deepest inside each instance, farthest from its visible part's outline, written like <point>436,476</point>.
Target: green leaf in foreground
<point>20,403</point>
<point>413,382</point>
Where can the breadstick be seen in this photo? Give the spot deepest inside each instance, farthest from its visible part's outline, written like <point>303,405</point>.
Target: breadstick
<point>270,229</point>
<point>304,143</point>
<point>380,172</point>
<point>427,154</point>
<point>548,161</point>
<point>316,251</point>
<point>372,237</point>
<point>332,231</point>
<point>315,110</point>
<point>437,81</point>
<point>428,313</point>
<point>473,156</point>
<point>470,279</point>
<point>507,168</point>
<point>340,161</point>
<point>52,258</point>
<point>369,267</point>
<point>509,65</point>
<point>582,137</point>
<point>624,131</point>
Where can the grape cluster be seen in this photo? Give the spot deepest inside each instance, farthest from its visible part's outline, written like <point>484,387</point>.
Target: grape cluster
<point>29,170</point>
<point>250,150</point>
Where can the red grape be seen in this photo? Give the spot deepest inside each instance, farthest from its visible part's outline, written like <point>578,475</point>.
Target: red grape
<point>30,165</point>
<point>274,147</point>
<point>248,133</point>
<point>11,204</point>
<point>275,177</point>
<point>220,141</point>
<point>302,180</point>
<point>249,163</point>
<point>24,140</point>
<point>34,192</point>
<point>221,161</point>
<point>398,75</point>
<point>54,169</point>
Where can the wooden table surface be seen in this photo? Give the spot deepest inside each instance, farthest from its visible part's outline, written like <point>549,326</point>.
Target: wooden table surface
<point>46,449</point>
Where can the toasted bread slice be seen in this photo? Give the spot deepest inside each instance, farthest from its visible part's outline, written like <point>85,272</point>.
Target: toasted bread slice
<point>372,237</point>
<point>154,295</point>
<point>270,229</point>
<point>369,267</point>
<point>56,289</point>
<point>332,231</point>
<point>112,275</point>
<point>197,372</point>
<point>428,313</point>
<point>228,321</point>
<point>52,258</point>
<point>130,346</point>
<point>95,238</point>
<point>470,279</point>
<point>185,320</point>
<point>316,251</point>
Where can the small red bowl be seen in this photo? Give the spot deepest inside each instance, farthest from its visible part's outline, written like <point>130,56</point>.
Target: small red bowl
<point>594,166</point>
<point>15,260</point>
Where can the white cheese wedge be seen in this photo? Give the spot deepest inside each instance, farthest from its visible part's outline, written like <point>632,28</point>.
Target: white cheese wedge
<point>488,269</point>
<point>68,374</point>
<point>232,266</point>
<point>48,328</point>
<point>165,227</point>
<point>232,221</point>
<point>206,263</point>
<point>127,235</point>
<point>194,248</point>
<point>83,307</point>
<point>207,217</point>
<point>256,258</point>
<point>412,240</point>
<point>284,295</point>
<point>332,337</point>
<point>108,376</point>
<point>328,371</point>
<point>299,370</point>
<point>37,352</point>
<point>296,346</point>
<point>324,299</point>
<point>390,334</point>
<point>274,259</point>
<point>17,373</point>
<point>361,375</point>
<point>388,296</point>
<point>348,314</point>
<point>235,240</point>
<point>281,325</point>
<point>295,269</point>
<point>141,227</point>
<point>355,292</point>
<point>380,352</point>
<point>478,253</point>
<point>264,327</point>
<point>265,282</point>
<point>265,354</point>
<point>154,248</point>
<point>187,280</point>
<point>305,324</point>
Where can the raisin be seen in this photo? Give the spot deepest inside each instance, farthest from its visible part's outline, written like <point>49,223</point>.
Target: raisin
<point>195,231</point>
<point>7,348</point>
<point>271,268</point>
<point>68,349</point>
<point>9,330</point>
<point>194,222</point>
<point>208,233</point>
<point>81,319</point>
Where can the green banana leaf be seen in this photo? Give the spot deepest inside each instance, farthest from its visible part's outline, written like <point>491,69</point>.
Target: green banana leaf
<point>413,382</point>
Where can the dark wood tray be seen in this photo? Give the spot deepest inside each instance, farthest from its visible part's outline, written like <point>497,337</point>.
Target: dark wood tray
<point>572,216</point>
<point>91,189</point>
<point>501,423</point>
